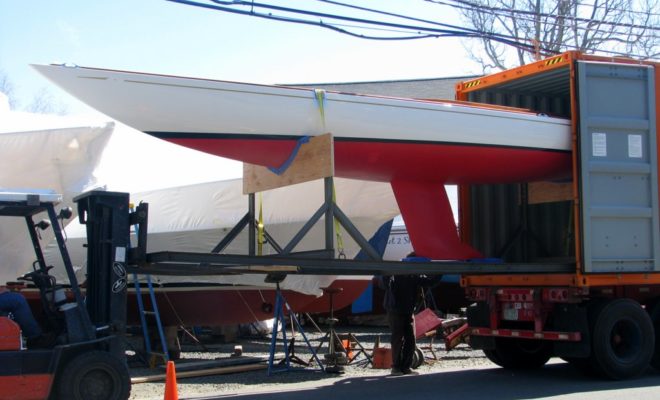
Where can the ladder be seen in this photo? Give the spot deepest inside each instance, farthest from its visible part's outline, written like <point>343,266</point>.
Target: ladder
<point>151,313</point>
<point>145,325</point>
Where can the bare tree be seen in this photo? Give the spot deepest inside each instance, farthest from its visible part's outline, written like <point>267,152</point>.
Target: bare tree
<point>7,88</point>
<point>44,103</point>
<point>545,27</point>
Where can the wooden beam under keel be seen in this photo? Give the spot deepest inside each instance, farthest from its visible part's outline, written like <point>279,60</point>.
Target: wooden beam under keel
<point>546,192</point>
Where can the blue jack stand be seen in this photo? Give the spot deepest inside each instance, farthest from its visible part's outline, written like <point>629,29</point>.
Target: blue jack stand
<point>280,303</point>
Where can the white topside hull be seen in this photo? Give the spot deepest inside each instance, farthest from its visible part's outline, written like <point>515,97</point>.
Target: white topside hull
<point>159,103</point>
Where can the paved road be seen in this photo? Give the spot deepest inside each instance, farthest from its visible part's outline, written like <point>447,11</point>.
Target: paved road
<point>555,381</point>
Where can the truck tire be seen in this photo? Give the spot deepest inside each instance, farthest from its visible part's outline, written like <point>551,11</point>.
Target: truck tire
<point>519,353</point>
<point>622,340</point>
<point>491,354</point>
<point>655,318</point>
<point>96,375</point>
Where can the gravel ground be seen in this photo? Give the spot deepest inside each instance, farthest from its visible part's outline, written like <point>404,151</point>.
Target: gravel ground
<point>257,381</point>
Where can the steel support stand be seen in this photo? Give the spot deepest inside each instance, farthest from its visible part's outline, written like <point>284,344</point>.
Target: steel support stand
<point>279,318</point>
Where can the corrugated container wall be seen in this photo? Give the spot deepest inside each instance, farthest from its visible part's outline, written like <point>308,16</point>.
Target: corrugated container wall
<point>502,225</point>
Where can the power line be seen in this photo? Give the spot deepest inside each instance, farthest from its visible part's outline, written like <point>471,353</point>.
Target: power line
<point>371,10</point>
<point>416,31</point>
<point>380,12</point>
<point>404,31</point>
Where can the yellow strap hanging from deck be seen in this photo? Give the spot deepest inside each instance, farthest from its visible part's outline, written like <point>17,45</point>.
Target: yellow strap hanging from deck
<point>320,100</point>
<point>340,239</point>
<point>260,228</point>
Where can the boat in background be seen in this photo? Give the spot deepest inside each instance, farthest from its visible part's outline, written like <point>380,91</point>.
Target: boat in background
<point>45,152</point>
<point>65,154</point>
<point>194,218</point>
<point>415,145</point>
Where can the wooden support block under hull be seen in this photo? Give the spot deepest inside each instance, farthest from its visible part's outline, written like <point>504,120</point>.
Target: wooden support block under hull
<point>546,192</point>
<point>314,160</point>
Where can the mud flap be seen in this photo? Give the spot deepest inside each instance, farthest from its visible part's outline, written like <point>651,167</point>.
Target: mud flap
<point>572,318</point>
<point>478,315</point>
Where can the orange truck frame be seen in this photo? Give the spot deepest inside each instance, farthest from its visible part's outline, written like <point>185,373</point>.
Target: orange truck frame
<point>604,317</point>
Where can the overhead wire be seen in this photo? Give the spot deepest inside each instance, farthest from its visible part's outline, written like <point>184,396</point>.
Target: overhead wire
<point>406,17</point>
<point>219,6</point>
<point>404,31</point>
<point>477,32</point>
<point>417,31</point>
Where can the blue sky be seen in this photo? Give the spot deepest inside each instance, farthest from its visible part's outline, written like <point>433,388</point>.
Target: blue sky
<point>164,37</point>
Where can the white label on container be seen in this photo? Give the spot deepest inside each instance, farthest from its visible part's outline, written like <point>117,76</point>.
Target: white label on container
<point>599,145</point>
<point>635,146</point>
<point>120,254</point>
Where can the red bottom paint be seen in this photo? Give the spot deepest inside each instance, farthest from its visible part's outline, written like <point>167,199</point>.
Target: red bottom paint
<point>231,305</point>
<point>226,305</point>
<point>416,171</point>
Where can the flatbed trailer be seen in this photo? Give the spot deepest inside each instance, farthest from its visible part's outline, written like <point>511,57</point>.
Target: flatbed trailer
<point>604,315</point>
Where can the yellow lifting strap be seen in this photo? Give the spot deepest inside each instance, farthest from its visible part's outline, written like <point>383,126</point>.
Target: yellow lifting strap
<point>319,94</point>
<point>340,239</point>
<point>260,228</point>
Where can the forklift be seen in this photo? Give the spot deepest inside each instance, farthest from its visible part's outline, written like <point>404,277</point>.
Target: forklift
<point>86,359</point>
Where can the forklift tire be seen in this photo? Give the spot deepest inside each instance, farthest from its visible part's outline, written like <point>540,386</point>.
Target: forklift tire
<point>622,339</point>
<point>96,375</point>
<point>519,353</point>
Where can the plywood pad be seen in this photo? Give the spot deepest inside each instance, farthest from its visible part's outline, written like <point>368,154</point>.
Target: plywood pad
<point>315,160</point>
<point>545,192</point>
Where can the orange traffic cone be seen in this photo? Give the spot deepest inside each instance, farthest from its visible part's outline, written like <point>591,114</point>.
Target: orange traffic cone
<point>171,392</point>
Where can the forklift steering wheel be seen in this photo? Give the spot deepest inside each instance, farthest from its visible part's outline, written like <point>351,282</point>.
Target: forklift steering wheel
<point>29,276</point>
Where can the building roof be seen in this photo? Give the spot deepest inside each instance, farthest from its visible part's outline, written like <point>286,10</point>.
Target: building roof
<point>431,88</point>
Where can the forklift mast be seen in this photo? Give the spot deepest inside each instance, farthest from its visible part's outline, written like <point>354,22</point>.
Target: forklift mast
<point>106,216</point>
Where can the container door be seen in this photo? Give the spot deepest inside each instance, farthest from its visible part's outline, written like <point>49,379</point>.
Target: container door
<point>618,157</point>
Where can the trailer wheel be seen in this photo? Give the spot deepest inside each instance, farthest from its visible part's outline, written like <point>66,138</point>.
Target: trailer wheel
<point>96,375</point>
<point>655,318</point>
<point>622,339</point>
<point>520,353</point>
<point>491,354</point>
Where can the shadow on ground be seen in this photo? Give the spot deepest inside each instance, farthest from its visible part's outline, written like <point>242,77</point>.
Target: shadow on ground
<point>556,380</point>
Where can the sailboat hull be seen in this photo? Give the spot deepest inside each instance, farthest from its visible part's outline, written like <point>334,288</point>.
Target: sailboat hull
<point>376,137</point>
<point>414,144</point>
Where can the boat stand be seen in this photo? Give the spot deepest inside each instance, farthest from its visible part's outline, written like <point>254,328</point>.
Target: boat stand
<point>339,354</point>
<point>289,356</point>
<point>313,161</point>
<point>357,348</point>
